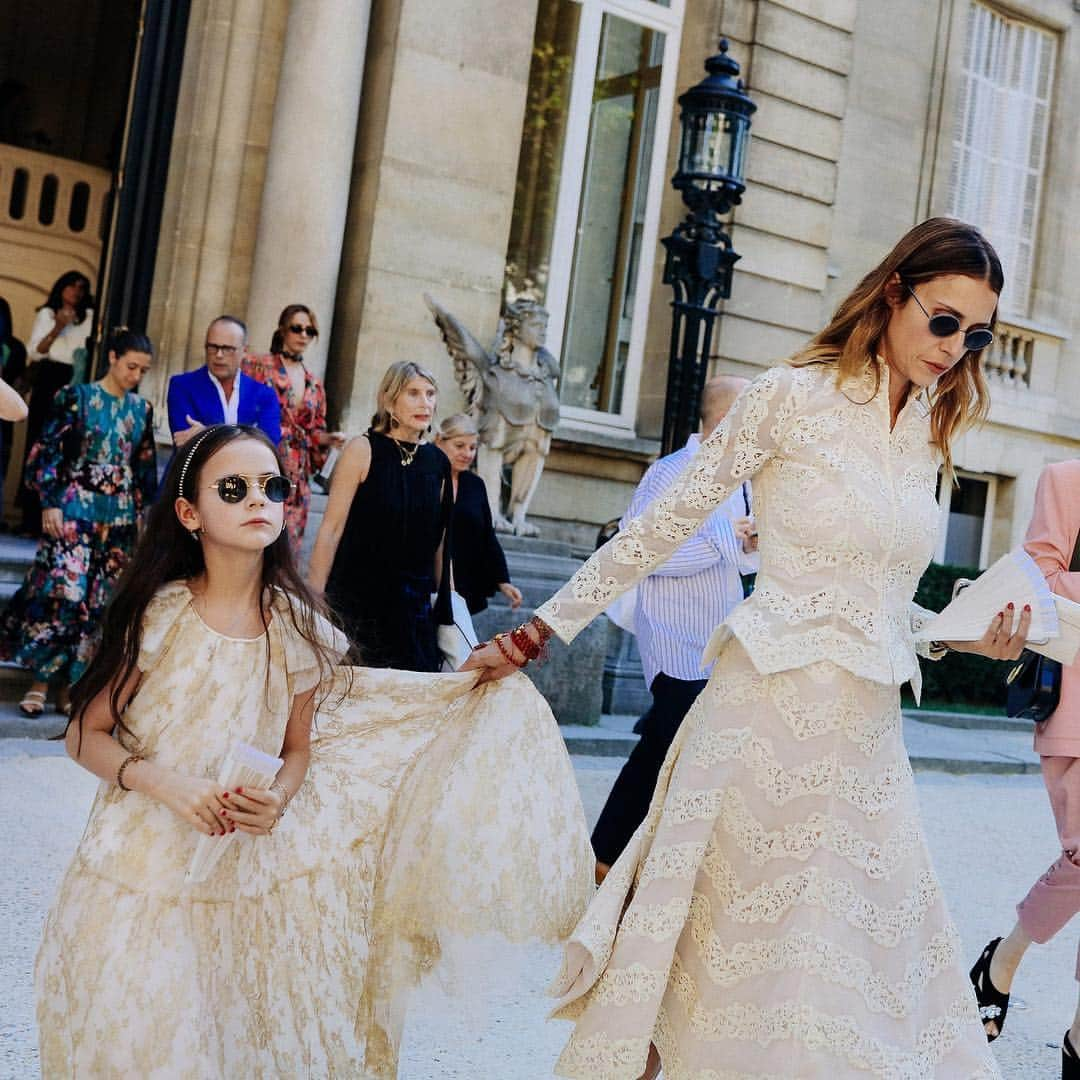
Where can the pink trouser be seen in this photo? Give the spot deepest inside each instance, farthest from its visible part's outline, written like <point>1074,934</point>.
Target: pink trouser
<point>1055,898</point>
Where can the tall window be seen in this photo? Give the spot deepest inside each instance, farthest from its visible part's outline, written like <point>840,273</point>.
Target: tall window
<point>967,511</point>
<point>999,145</point>
<point>590,177</point>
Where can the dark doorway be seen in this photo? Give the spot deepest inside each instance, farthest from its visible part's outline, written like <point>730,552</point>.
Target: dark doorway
<point>90,86</point>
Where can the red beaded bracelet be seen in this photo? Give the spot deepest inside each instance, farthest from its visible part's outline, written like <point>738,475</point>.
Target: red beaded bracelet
<point>498,639</point>
<point>520,638</point>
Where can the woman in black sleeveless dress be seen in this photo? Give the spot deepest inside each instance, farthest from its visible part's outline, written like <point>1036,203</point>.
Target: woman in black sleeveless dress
<point>383,548</point>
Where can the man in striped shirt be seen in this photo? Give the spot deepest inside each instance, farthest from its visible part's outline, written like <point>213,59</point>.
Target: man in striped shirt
<point>677,608</point>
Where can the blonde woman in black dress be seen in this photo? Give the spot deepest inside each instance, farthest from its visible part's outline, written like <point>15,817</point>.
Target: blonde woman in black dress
<point>382,553</point>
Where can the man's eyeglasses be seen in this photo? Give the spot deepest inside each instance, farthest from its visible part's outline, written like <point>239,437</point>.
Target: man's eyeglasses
<point>234,489</point>
<point>944,325</point>
<point>222,350</point>
<point>310,331</point>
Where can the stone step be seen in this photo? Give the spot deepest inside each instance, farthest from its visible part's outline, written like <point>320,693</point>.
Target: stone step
<point>14,681</point>
<point>16,555</point>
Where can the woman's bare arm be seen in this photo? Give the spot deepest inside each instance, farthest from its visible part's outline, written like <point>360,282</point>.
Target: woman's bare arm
<point>12,406</point>
<point>351,471</point>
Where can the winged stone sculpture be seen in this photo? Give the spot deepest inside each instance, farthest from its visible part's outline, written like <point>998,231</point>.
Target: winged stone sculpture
<point>512,393</point>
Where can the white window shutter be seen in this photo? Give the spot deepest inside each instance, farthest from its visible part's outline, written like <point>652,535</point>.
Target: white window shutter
<point>1001,121</point>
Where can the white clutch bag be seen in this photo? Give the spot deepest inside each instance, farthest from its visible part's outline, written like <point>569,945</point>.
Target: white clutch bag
<point>244,766</point>
<point>458,639</point>
<point>1055,621</point>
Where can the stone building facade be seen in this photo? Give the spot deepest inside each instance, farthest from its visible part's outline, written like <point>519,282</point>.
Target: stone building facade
<point>355,154</point>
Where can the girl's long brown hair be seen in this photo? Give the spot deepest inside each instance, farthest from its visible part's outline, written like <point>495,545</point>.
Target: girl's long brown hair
<point>167,552</point>
<point>853,337</point>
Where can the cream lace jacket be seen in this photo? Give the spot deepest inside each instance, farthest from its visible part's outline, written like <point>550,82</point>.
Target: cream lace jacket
<point>847,518</point>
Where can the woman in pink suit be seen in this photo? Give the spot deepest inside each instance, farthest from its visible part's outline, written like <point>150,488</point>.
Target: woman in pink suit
<point>1055,898</point>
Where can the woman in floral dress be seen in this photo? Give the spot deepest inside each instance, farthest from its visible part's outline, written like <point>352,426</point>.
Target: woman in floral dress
<point>94,469</point>
<point>304,438</point>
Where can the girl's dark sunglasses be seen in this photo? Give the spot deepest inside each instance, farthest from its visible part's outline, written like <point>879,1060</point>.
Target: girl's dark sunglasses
<point>309,331</point>
<point>233,489</point>
<point>945,325</point>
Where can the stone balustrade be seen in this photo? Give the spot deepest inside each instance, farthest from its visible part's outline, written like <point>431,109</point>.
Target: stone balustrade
<point>51,194</point>
<point>1011,357</point>
<point>52,219</point>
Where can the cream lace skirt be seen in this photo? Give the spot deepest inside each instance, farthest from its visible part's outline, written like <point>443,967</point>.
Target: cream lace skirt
<point>431,811</point>
<point>776,916</point>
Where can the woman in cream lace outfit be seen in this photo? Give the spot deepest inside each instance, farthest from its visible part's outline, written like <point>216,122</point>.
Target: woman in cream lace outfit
<point>294,958</point>
<point>776,915</point>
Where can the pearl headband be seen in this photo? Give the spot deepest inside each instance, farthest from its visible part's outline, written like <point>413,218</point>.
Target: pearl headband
<point>187,461</point>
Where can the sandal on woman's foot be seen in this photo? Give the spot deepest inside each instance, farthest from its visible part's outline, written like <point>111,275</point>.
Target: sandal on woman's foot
<point>993,1004</point>
<point>652,1065</point>
<point>33,703</point>
<point>1070,1060</point>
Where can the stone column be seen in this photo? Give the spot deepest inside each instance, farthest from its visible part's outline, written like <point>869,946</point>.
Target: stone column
<point>433,189</point>
<point>222,129</point>
<point>309,167</point>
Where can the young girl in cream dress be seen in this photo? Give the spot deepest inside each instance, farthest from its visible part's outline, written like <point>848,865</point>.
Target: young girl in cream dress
<point>295,956</point>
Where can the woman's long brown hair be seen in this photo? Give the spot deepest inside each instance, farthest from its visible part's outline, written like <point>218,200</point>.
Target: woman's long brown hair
<point>853,337</point>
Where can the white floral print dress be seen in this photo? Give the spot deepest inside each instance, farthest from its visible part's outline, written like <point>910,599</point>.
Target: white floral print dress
<point>776,915</point>
<point>429,808</point>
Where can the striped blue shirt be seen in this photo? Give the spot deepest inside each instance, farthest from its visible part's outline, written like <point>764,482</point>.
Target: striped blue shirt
<point>682,602</point>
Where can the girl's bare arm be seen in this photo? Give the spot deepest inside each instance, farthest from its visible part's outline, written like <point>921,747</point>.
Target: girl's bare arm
<point>196,801</point>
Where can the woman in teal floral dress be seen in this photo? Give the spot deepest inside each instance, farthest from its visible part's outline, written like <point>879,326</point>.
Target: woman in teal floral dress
<point>94,469</point>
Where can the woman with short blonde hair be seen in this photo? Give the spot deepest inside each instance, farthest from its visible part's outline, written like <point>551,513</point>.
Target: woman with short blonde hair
<point>382,553</point>
<point>397,376</point>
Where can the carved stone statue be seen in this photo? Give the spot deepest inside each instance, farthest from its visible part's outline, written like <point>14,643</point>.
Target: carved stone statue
<point>512,393</point>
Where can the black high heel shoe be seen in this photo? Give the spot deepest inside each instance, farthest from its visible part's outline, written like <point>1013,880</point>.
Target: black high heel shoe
<point>993,1004</point>
<point>1070,1061</point>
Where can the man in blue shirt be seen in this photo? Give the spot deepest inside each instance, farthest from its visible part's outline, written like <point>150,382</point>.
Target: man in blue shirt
<point>676,610</point>
<point>219,392</point>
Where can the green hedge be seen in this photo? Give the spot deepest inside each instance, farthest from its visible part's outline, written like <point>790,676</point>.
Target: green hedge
<point>959,678</point>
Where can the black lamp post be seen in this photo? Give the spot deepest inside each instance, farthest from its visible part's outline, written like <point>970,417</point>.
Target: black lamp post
<point>700,259</point>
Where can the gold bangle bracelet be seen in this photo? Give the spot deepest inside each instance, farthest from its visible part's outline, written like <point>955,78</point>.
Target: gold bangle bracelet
<point>129,760</point>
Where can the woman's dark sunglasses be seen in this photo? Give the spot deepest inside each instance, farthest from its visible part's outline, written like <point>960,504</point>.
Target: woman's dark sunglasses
<point>945,325</point>
<point>233,489</point>
<point>309,331</point>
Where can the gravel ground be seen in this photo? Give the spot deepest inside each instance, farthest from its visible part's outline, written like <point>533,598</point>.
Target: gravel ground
<point>502,1034</point>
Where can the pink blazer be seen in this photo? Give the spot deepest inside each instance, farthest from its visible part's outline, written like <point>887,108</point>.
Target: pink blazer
<point>1050,539</point>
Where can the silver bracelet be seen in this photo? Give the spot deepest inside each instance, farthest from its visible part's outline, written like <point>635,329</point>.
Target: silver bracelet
<point>286,798</point>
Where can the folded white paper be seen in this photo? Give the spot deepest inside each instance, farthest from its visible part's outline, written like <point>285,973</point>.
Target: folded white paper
<point>1016,579</point>
<point>1066,645</point>
<point>244,766</point>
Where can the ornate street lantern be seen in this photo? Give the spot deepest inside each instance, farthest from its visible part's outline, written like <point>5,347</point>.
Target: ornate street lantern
<point>715,128</point>
<point>700,260</point>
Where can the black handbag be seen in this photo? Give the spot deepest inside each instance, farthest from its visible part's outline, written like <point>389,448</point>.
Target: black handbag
<point>1033,687</point>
